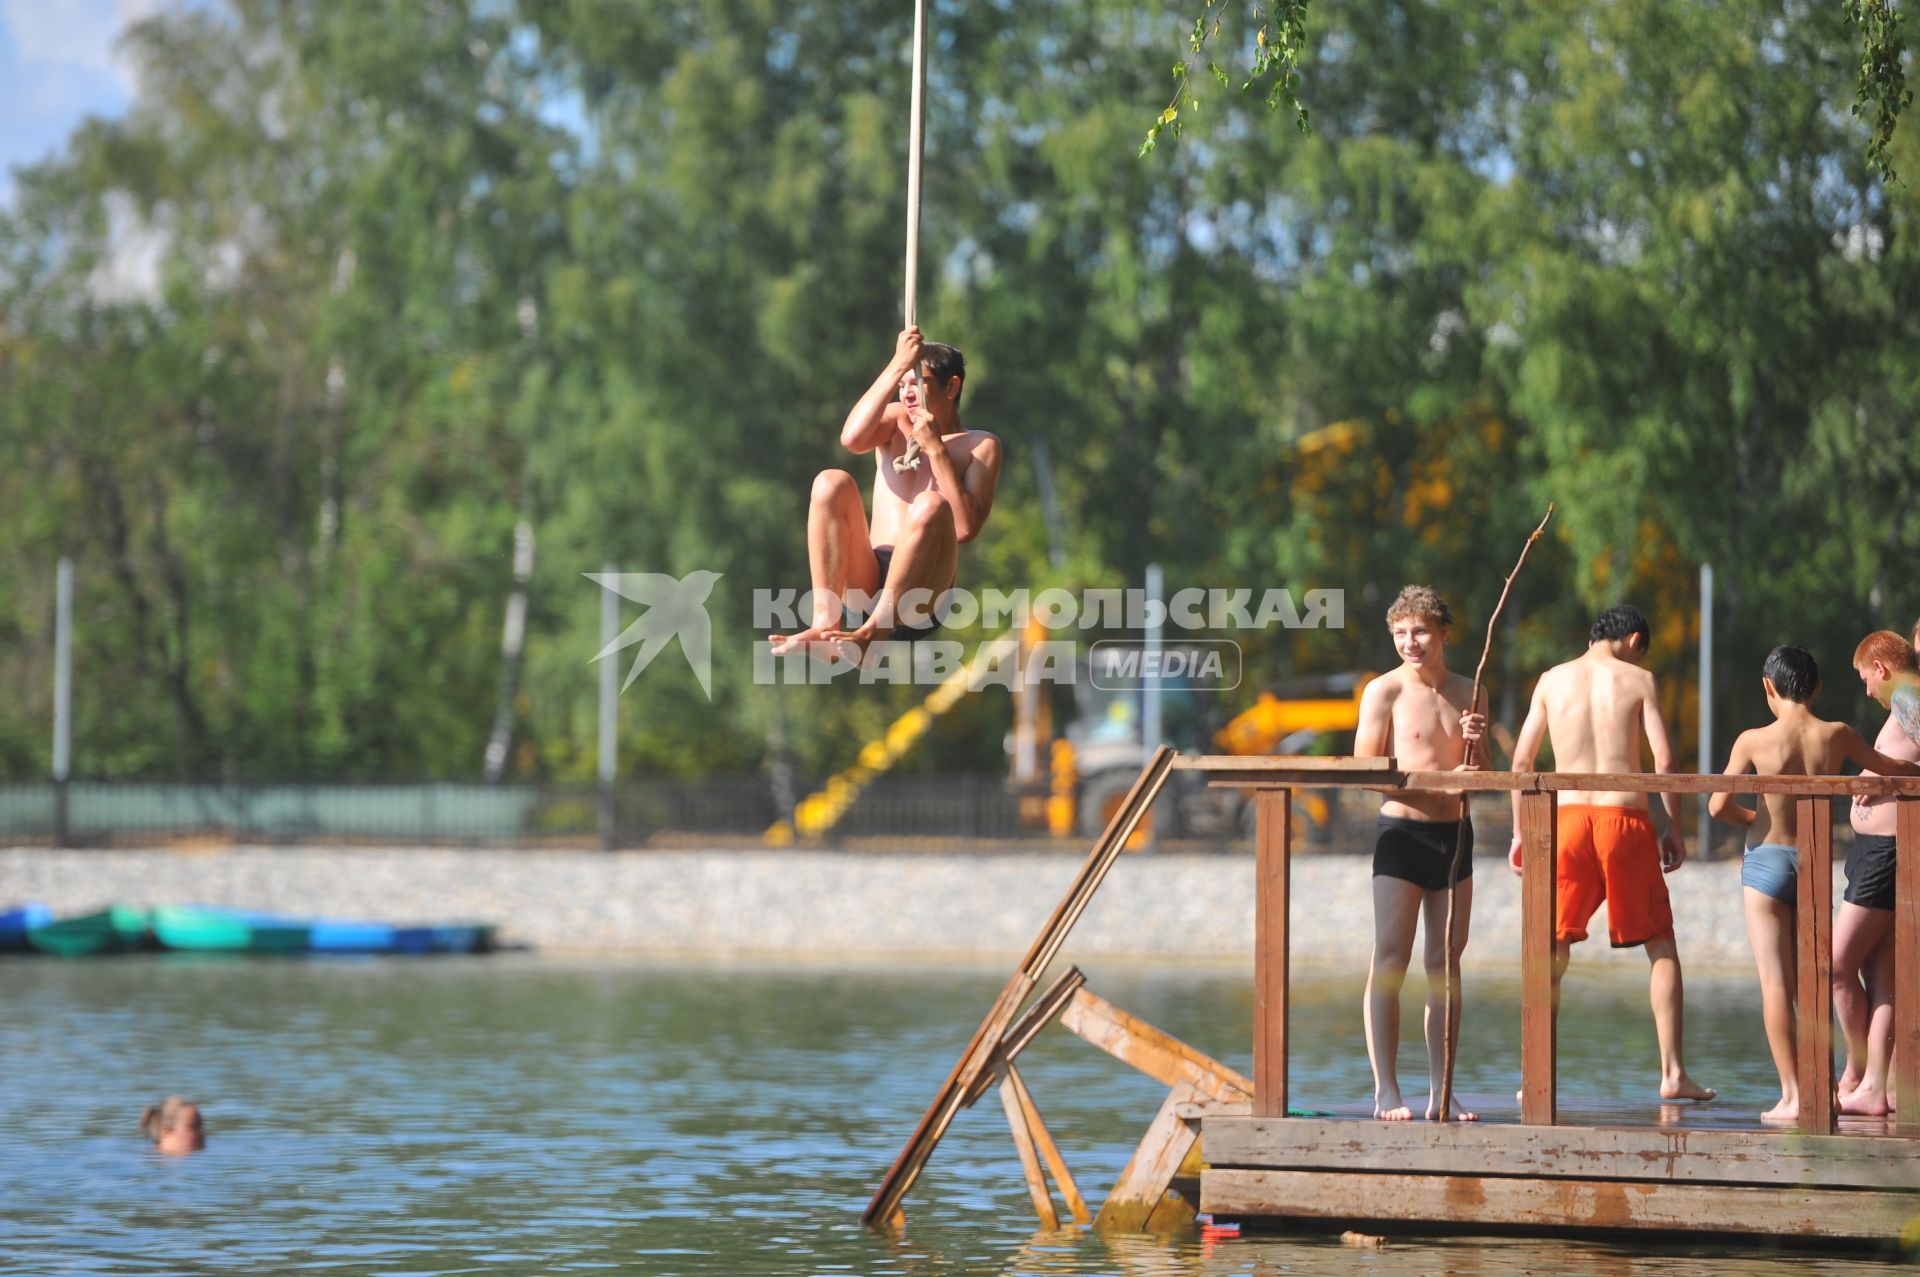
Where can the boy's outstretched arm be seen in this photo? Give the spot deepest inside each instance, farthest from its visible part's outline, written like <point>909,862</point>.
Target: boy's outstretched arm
<point>1720,805</point>
<point>874,416</point>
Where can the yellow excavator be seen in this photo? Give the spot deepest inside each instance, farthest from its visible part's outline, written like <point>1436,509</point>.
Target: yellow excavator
<point>1102,752</point>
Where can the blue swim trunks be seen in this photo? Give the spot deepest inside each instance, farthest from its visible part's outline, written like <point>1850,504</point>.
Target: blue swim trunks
<point>1772,869</point>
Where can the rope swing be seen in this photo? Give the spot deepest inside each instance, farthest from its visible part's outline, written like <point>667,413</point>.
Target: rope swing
<point>916,147</point>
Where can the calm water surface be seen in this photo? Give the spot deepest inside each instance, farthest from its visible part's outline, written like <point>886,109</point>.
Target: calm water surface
<point>519,1114</point>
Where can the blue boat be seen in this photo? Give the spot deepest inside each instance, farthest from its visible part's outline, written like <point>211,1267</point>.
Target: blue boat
<point>197,929</point>
<point>352,935</point>
<point>17,921</point>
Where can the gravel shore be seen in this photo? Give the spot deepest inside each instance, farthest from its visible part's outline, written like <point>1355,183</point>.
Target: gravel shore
<point>987,906</point>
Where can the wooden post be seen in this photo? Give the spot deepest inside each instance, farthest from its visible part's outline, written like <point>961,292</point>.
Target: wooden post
<point>1049,1151</point>
<point>1906,967</point>
<point>1539,852</point>
<point>1029,1157</point>
<point>1814,925</point>
<point>1272,817</point>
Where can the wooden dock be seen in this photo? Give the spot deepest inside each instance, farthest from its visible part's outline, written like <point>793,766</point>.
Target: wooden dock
<point>1538,1175</point>
<point>1225,1144</point>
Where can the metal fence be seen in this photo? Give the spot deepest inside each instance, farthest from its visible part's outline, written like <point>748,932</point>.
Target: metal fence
<point>909,811</point>
<point>717,810</point>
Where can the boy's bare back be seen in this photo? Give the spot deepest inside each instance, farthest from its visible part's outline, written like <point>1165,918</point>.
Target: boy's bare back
<point>1597,709</point>
<point>1802,745</point>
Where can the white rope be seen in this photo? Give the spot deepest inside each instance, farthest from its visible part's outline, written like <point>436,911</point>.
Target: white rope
<point>916,147</point>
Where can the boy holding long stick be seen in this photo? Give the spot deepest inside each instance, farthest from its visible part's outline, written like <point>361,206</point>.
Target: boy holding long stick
<point>1422,715</point>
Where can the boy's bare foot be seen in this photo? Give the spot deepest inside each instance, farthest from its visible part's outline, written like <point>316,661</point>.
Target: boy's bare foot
<point>1847,1083</point>
<point>1459,1114</point>
<point>1785,1111</point>
<point>1685,1088</point>
<point>1865,1100</point>
<point>1389,1107</point>
<point>821,643</point>
<point>784,643</point>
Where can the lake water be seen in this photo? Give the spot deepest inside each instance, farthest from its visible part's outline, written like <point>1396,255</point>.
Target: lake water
<point>521,1114</point>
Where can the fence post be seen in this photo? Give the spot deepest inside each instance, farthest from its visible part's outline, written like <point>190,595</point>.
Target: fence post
<point>1906,966</point>
<point>1539,1045</point>
<point>1814,922</point>
<point>1272,816</point>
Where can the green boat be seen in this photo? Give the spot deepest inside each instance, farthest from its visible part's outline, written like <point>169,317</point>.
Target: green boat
<point>199,929</point>
<point>114,930</point>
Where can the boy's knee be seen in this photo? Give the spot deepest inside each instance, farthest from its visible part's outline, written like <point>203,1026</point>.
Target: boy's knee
<point>929,511</point>
<point>1392,962</point>
<point>832,485</point>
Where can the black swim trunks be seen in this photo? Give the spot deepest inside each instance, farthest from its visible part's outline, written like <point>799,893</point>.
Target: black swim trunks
<point>852,620</point>
<point>1870,871</point>
<point>1419,851</point>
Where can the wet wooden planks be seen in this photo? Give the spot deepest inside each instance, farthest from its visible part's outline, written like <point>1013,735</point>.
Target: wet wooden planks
<point>1492,1149</point>
<point>1557,1203</point>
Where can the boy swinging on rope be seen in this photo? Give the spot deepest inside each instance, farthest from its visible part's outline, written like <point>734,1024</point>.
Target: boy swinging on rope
<point>1419,714</point>
<point>932,492</point>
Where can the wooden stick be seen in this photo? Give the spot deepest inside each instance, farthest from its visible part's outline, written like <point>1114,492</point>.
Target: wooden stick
<point>1448,1047</point>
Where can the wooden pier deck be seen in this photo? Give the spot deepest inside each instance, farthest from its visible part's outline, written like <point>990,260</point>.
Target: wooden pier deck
<point>1695,1173</point>
<point>1226,1144</point>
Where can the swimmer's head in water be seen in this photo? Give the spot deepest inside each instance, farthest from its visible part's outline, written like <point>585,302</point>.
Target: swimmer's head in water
<point>174,1125</point>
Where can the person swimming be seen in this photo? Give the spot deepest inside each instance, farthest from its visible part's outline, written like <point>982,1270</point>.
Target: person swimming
<point>174,1125</point>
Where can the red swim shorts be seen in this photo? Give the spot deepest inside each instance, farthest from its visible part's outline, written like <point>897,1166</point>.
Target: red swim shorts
<point>1610,854</point>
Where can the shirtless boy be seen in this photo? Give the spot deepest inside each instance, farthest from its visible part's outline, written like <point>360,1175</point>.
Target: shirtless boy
<point>1419,715</point>
<point>1863,926</point>
<point>1796,744</point>
<point>1595,710</point>
<point>921,516</point>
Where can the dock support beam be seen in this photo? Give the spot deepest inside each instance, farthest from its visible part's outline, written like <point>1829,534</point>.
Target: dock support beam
<point>1273,813</point>
<point>1814,923</point>
<point>1906,966</point>
<point>1539,858</point>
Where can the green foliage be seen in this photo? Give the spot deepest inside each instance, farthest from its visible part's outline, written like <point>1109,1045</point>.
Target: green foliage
<point>419,273</point>
<point>1279,41</point>
<point>1882,86</point>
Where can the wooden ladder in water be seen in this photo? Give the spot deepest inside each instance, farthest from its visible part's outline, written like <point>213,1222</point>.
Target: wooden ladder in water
<point>1145,1196</point>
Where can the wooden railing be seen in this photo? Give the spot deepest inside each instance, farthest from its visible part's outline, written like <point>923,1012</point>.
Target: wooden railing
<point>1273,778</point>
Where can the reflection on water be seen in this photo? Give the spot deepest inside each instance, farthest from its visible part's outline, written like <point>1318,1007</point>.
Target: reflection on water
<point>528,1115</point>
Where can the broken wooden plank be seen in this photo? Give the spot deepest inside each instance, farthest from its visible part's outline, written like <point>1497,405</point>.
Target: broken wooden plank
<point>1149,1173</point>
<point>1159,1055</point>
<point>977,1058</point>
<point>1029,1158</point>
<point>1049,1151</point>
